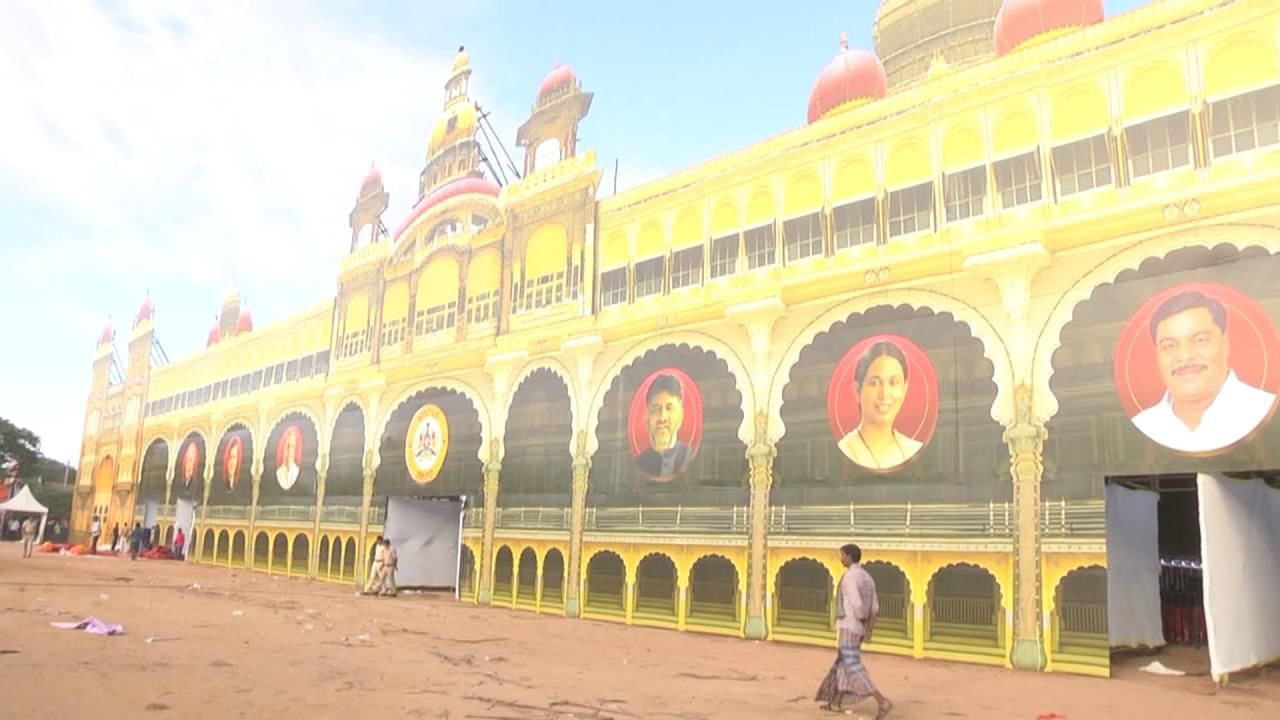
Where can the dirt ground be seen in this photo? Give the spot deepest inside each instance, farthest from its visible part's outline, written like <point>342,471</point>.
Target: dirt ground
<point>247,645</point>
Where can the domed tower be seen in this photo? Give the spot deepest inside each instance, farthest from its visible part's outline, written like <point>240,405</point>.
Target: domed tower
<point>913,35</point>
<point>366,216</point>
<point>551,132</point>
<point>453,150</point>
<point>850,79</point>
<point>230,313</point>
<point>1021,23</point>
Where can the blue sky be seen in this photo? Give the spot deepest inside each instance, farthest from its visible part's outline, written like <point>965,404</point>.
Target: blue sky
<point>176,147</point>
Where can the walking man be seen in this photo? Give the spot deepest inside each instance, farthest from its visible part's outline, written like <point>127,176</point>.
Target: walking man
<point>136,541</point>
<point>389,559</point>
<point>375,570</point>
<point>28,536</point>
<point>95,532</point>
<point>856,610</point>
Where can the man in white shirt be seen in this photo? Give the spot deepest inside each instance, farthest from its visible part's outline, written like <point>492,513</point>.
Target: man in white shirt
<point>1205,406</point>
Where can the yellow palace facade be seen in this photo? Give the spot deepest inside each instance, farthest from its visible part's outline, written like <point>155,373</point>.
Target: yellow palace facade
<point>895,325</point>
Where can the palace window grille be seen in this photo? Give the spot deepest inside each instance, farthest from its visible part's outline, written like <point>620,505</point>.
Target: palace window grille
<point>762,247</point>
<point>1082,165</point>
<point>436,318</point>
<point>911,210</point>
<point>1159,145</point>
<point>803,236</point>
<point>482,307</point>
<point>964,193</point>
<point>854,224</point>
<point>724,256</point>
<point>649,277</point>
<point>686,268</point>
<point>393,331</point>
<point>613,287</point>
<point>1245,122</point>
<point>1019,180</point>
<point>544,291</point>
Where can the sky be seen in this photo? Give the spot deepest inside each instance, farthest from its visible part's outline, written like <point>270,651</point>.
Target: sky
<point>180,147</point>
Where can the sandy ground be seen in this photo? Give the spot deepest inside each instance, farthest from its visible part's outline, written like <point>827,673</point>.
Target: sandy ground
<point>247,645</point>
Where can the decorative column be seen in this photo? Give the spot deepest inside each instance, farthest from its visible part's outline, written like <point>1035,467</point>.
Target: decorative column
<point>760,456</point>
<point>368,470</point>
<point>1026,447</point>
<point>322,474</point>
<point>492,470</point>
<point>203,510</point>
<point>577,519</point>
<point>629,593</point>
<point>682,598</point>
<point>251,544</point>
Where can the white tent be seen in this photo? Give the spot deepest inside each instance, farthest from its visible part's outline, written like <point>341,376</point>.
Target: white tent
<point>25,502</point>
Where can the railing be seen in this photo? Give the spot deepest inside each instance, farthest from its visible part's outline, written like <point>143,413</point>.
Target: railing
<point>535,517</point>
<point>710,592</point>
<point>474,518</point>
<point>892,605</point>
<point>1073,518</point>
<point>1084,617</point>
<point>378,515</point>
<point>227,512</point>
<point>167,511</point>
<point>287,513</point>
<point>978,612</point>
<point>340,515</point>
<point>808,600</point>
<point>993,520</point>
<point>728,520</point>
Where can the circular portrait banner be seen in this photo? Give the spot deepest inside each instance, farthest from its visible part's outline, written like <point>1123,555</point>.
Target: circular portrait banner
<point>665,423</point>
<point>288,457</point>
<point>190,467</point>
<point>426,444</point>
<point>883,402</point>
<point>1196,368</point>
<point>232,461</point>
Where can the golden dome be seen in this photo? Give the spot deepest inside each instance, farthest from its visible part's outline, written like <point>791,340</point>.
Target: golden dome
<point>910,35</point>
<point>461,61</point>
<point>458,123</point>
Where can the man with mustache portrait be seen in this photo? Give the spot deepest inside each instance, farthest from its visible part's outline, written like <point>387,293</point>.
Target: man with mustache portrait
<point>1206,407</point>
<point>664,412</point>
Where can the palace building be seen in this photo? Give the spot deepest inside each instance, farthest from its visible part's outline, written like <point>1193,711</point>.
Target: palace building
<point>931,320</point>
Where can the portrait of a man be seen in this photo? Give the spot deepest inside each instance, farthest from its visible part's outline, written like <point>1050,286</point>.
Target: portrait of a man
<point>667,455</point>
<point>1205,406</point>
<point>231,461</point>
<point>288,457</point>
<point>190,461</point>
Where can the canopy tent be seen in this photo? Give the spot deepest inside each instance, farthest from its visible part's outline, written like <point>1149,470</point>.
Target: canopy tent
<point>25,502</point>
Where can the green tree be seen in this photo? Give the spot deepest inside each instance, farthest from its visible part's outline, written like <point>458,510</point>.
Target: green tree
<point>19,449</point>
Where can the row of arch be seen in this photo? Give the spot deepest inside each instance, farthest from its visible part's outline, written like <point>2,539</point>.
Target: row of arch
<point>757,391</point>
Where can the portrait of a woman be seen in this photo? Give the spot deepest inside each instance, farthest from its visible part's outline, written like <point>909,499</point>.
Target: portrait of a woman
<point>880,386</point>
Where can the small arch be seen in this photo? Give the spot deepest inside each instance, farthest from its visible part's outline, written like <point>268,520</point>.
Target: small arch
<point>1079,112</point>
<point>467,574</point>
<point>656,587</point>
<point>855,177</point>
<point>168,539</point>
<point>261,551</point>
<point>651,242</point>
<point>280,553</point>
<point>725,219</point>
<point>553,577</point>
<point>908,163</point>
<point>893,592</point>
<point>207,546</point>
<point>222,552</point>
<point>349,560</point>
<point>803,598</point>
<point>1241,62</point>
<point>804,194</point>
<point>325,561</point>
<point>335,558</point>
<point>1015,133</point>
<point>606,583</point>
<point>503,570</point>
<point>300,555</point>
<point>527,576</point>
<point>714,591</point>
<point>1157,88</point>
<point>964,610</point>
<point>237,548</point>
<point>1078,618</point>
<point>688,229</point>
<point>962,148</point>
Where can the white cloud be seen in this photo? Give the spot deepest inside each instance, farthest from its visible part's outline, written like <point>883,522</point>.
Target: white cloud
<point>181,145</point>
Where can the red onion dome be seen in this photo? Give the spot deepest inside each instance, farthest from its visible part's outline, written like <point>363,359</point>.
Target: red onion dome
<point>851,75</point>
<point>1021,20</point>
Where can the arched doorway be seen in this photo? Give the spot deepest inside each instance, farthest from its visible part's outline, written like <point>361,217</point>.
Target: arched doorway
<point>152,477</point>
<point>349,555</point>
<point>325,562</point>
<point>713,592</point>
<point>261,551</point>
<point>280,553</point>
<point>656,588</point>
<point>964,611</point>
<point>503,570</point>
<point>553,580</point>
<point>467,575</point>
<point>687,400</point>
<point>207,546</point>
<point>300,556</point>
<point>1078,624</point>
<point>537,475</point>
<point>893,592</point>
<point>232,482</point>
<point>237,549</point>
<point>606,584</point>
<point>527,586</point>
<point>804,599</point>
<point>103,479</point>
<point>222,553</point>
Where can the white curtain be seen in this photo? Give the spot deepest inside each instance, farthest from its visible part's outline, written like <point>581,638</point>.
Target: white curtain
<point>426,535</point>
<point>1133,568</point>
<point>1240,549</point>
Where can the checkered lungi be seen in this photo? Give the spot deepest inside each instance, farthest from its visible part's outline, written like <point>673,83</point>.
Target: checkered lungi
<point>847,675</point>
